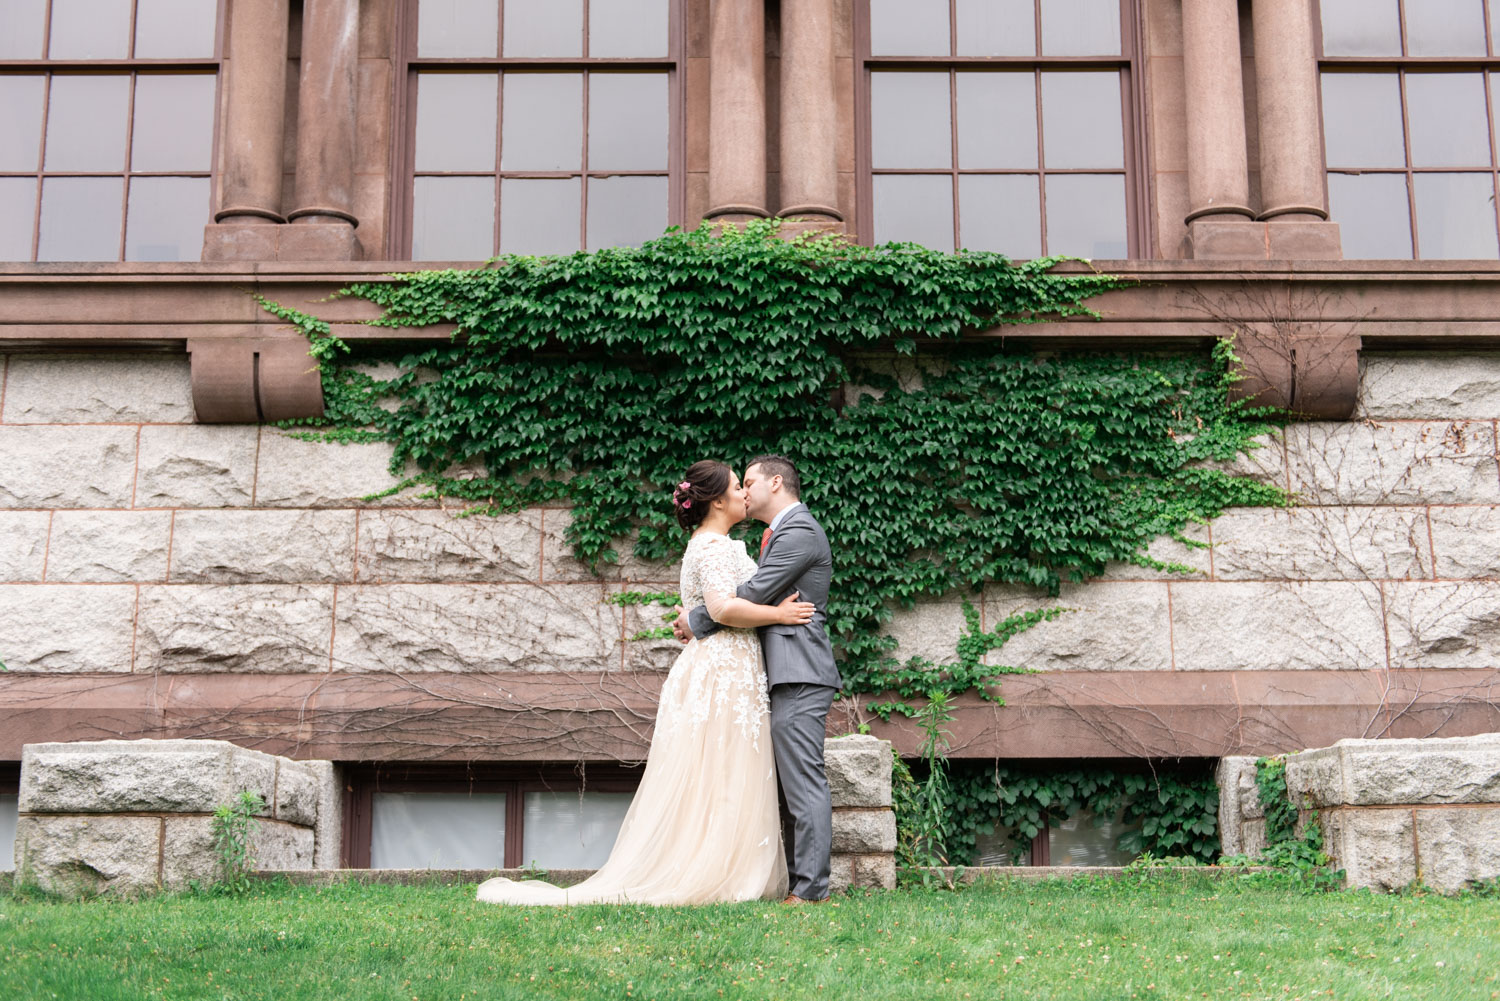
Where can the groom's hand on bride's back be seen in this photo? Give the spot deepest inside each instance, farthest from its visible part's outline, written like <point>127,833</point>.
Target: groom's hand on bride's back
<point>680,627</point>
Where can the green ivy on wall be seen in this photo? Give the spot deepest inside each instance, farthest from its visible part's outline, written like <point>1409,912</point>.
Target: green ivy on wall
<point>597,378</point>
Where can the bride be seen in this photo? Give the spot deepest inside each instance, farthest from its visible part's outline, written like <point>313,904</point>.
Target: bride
<point>704,825</point>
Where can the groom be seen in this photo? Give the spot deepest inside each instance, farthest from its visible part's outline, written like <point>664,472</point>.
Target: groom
<point>794,556</point>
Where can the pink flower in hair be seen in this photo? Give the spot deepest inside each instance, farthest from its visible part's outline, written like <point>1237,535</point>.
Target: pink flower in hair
<point>684,486</point>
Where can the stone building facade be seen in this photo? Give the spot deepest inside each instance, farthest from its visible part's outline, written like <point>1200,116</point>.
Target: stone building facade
<point>1294,172</point>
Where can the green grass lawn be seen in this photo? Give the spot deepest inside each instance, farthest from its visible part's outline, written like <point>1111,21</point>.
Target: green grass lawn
<point>1088,938</point>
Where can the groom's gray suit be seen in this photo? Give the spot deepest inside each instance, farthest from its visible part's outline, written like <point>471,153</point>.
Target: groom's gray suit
<point>803,681</point>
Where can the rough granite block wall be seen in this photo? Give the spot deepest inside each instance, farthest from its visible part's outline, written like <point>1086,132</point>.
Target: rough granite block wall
<point>132,540</point>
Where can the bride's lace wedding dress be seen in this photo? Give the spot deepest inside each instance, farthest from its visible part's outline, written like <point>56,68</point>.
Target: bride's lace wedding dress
<point>704,825</point>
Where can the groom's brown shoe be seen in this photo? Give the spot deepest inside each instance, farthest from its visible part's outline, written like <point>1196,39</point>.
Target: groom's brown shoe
<point>792,898</point>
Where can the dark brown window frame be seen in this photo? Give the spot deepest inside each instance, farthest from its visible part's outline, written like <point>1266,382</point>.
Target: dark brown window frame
<point>131,67</point>
<point>1138,234</point>
<point>361,782</point>
<point>1401,66</point>
<point>405,103</point>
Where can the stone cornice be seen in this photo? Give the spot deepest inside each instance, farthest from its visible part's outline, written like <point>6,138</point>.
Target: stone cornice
<point>1299,324</point>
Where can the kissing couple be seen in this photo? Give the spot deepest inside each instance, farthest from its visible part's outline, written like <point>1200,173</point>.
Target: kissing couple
<point>741,719</point>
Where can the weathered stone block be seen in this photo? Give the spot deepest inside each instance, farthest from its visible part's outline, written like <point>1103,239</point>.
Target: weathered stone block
<point>1321,543</point>
<point>1427,386</point>
<point>858,767</point>
<point>109,546</point>
<point>188,849</point>
<point>65,628</point>
<point>1265,462</point>
<point>1373,847</point>
<point>1440,624</point>
<point>23,544</point>
<point>558,562</point>
<point>1432,770</point>
<point>476,627</point>
<point>103,389</point>
<point>1457,847</point>
<point>1230,776</point>
<point>1438,462</point>
<point>199,465</point>
<point>437,546</point>
<point>328,833</point>
<point>58,466</point>
<point>864,830</point>
<point>125,776</point>
<point>1108,626</point>
<point>1252,837</point>
<point>648,654</point>
<point>1466,541</point>
<point>234,627</point>
<point>929,629</point>
<point>1277,626</point>
<point>263,546</point>
<point>297,791</point>
<point>875,871</point>
<point>346,475</point>
<point>82,856</point>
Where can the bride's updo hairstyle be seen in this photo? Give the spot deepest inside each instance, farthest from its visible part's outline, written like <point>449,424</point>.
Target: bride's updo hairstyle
<point>705,482</point>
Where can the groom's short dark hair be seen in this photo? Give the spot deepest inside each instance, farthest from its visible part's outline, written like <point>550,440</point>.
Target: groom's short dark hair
<point>779,465</point>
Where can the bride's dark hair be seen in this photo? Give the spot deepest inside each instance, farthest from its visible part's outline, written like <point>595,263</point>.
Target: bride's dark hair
<point>705,482</point>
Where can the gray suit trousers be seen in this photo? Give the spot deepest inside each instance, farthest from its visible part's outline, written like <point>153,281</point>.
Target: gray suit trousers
<point>799,718</point>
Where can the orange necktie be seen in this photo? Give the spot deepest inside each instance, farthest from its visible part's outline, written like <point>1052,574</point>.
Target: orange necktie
<point>765,539</point>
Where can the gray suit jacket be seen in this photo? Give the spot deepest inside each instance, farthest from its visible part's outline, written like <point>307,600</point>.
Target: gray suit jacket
<point>796,559</point>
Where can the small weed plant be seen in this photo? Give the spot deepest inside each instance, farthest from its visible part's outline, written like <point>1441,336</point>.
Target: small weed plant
<point>233,824</point>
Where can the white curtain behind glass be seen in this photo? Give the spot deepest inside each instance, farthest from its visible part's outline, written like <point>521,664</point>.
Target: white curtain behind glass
<point>8,807</point>
<point>569,830</point>
<point>437,830</point>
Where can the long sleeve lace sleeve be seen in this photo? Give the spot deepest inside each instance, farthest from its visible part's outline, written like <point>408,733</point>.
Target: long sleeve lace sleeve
<point>722,572</point>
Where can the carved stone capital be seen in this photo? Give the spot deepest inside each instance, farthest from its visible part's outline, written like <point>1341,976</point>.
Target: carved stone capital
<point>249,380</point>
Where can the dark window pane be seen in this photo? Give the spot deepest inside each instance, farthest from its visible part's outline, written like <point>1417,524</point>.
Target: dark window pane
<point>21,24</point>
<point>914,208</point>
<point>1081,124</point>
<point>20,120</point>
<point>1372,213</point>
<point>1080,27</point>
<point>627,121</point>
<point>17,215</point>
<point>1362,120</point>
<point>453,218</point>
<point>1455,215</point>
<point>80,219</point>
<point>543,28</point>
<point>90,29</point>
<point>996,120</point>
<point>542,124</point>
<point>909,120</point>
<point>1086,215</point>
<point>1000,212</point>
<point>1361,28</point>
<point>174,122</point>
<point>457,28</point>
<point>1083,840</point>
<point>1444,28</point>
<point>165,218</point>
<point>175,29</point>
<point>909,28</point>
<point>626,211</point>
<point>444,830</point>
<point>540,215</point>
<point>86,123</point>
<point>456,121</point>
<point>996,28</point>
<point>621,29</point>
<point>1449,122</point>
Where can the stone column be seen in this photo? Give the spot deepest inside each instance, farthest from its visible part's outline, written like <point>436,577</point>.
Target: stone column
<point>737,110</point>
<point>1218,174</point>
<point>324,213</point>
<point>864,825</point>
<point>1291,142</point>
<point>809,157</point>
<point>256,95</point>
